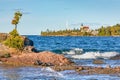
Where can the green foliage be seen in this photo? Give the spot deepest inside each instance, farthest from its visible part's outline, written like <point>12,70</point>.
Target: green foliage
<point>74,32</point>
<point>109,31</point>
<point>16,19</point>
<point>14,33</point>
<point>14,40</point>
<point>101,31</point>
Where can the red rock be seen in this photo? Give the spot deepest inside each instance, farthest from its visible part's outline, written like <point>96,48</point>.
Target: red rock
<point>45,57</point>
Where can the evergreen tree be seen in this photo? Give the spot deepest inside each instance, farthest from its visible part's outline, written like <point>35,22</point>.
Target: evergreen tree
<point>16,19</point>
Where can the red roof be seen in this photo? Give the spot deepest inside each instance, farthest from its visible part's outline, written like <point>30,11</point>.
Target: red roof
<point>85,27</point>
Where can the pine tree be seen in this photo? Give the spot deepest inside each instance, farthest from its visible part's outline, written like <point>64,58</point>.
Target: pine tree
<point>16,19</point>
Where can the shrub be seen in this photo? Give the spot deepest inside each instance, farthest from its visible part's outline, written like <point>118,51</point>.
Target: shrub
<point>14,33</point>
<point>14,40</point>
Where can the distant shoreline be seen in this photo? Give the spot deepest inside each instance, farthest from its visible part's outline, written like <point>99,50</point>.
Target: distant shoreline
<point>85,31</point>
<point>5,34</point>
<point>73,36</point>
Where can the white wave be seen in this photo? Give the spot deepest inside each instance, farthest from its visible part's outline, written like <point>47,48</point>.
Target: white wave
<point>94,55</point>
<point>47,69</point>
<point>74,51</point>
<point>50,72</point>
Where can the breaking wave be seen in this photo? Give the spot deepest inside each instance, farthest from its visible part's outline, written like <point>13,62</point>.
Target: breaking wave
<point>74,51</point>
<point>78,54</point>
<point>94,55</point>
<point>50,72</point>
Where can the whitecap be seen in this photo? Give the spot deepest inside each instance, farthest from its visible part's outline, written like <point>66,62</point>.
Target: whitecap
<point>74,51</point>
<point>50,72</point>
<point>94,55</point>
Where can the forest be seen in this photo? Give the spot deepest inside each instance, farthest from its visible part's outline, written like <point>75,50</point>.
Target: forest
<point>102,31</point>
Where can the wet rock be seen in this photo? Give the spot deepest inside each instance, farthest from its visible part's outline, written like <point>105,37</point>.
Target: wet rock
<point>28,42</point>
<point>117,57</point>
<point>98,61</point>
<point>79,69</point>
<point>47,64</point>
<point>50,64</point>
<point>34,50</point>
<point>38,62</point>
<point>64,67</point>
<point>97,70</point>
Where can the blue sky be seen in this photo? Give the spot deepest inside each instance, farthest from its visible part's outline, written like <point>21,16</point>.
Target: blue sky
<point>53,14</point>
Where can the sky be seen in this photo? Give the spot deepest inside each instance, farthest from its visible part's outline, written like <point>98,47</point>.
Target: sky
<point>40,15</point>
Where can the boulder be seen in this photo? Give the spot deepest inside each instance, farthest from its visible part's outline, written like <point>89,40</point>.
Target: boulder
<point>28,42</point>
<point>29,45</point>
<point>117,57</point>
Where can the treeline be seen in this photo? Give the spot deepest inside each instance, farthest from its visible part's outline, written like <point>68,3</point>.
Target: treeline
<point>75,32</point>
<point>103,31</point>
<point>109,31</point>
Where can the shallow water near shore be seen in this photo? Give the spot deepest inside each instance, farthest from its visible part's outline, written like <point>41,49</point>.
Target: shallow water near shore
<point>81,50</point>
<point>31,73</point>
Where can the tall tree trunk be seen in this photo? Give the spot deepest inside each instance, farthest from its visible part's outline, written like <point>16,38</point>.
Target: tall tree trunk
<point>16,26</point>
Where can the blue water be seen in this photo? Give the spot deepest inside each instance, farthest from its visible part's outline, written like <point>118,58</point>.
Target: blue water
<point>81,50</point>
<point>59,44</point>
<point>30,73</point>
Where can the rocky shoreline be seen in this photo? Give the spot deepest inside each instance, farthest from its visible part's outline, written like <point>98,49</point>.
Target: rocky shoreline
<point>57,62</point>
<point>41,59</point>
<point>89,70</point>
<point>31,57</point>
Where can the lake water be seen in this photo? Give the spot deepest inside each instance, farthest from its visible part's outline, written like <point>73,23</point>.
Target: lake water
<point>82,50</point>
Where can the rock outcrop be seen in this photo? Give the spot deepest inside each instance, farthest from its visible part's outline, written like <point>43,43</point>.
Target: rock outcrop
<point>30,56</point>
<point>100,70</point>
<point>42,58</point>
<point>28,47</point>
